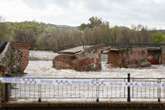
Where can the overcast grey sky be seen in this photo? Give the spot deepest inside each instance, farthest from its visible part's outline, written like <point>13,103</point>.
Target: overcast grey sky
<point>73,12</point>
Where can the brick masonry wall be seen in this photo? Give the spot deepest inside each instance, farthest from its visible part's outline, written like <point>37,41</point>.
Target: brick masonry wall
<point>92,62</point>
<point>85,64</point>
<point>114,59</point>
<point>79,63</point>
<point>137,54</point>
<point>130,58</point>
<point>25,59</point>
<point>62,65</point>
<point>24,48</point>
<point>63,62</point>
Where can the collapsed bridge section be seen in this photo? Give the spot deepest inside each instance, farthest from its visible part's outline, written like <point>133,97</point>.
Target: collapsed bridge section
<point>14,57</point>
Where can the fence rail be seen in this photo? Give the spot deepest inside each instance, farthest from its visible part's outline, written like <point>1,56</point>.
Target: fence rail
<point>87,89</point>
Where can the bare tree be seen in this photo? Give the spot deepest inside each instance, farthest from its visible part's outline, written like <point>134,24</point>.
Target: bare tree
<point>26,36</point>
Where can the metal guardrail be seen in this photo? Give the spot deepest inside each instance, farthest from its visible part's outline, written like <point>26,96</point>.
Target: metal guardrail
<point>121,89</point>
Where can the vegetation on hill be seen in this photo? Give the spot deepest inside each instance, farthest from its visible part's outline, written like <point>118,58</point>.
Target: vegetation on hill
<point>55,37</point>
<point>158,37</point>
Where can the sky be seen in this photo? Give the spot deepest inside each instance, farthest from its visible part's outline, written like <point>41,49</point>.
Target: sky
<point>149,13</point>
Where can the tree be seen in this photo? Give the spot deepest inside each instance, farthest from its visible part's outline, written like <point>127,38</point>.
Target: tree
<point>83,26</point>
<point>26,36</point>
<point>3,30</point>
<point>93,22</point>
<point>95,32</point>
<point>158,37</point>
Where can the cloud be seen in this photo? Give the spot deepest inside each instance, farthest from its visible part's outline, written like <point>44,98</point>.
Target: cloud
<point>43,4</point>
<point>74,12</point>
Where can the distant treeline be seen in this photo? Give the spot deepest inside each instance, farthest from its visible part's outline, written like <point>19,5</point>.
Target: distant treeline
<point>53,37</point>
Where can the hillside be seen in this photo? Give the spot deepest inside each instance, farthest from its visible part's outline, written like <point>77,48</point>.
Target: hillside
<point>53,37</point>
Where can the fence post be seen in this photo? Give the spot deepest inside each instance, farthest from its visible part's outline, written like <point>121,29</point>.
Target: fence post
<point>5,92</point>
<point>97,90</point>
<point>159,90</point>
<point>128,89</point>
<point>39,93</point>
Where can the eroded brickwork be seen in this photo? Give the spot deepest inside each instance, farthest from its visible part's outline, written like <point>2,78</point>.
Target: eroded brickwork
<point>14,58</point>
<point>85,61</point>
